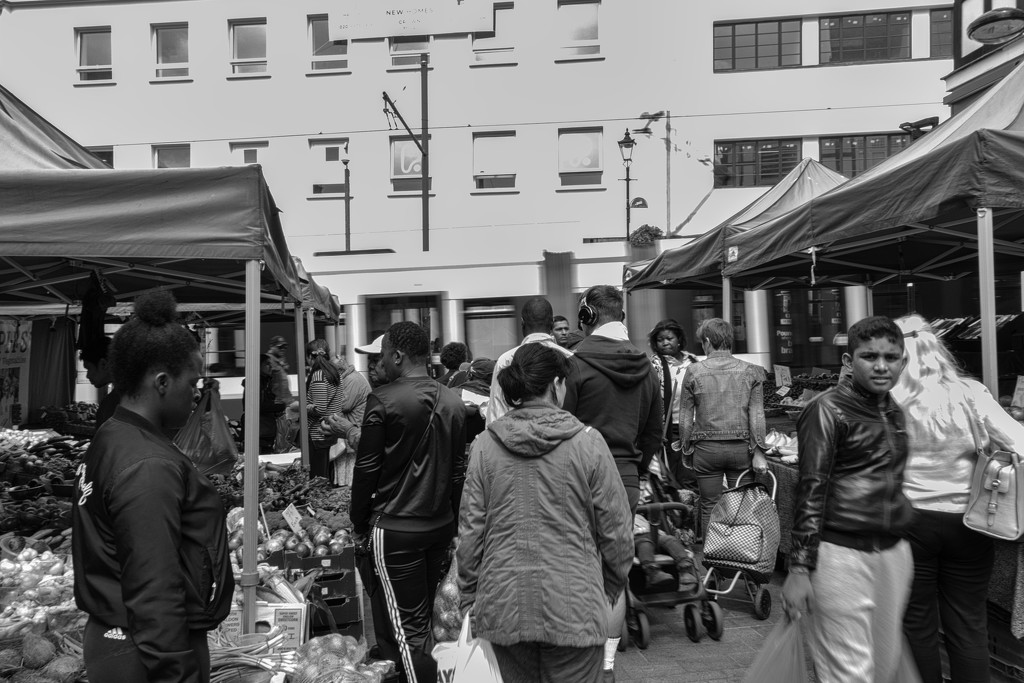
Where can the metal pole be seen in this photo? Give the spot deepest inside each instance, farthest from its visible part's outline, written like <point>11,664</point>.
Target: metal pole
<point>310,326</point>
<point>668,172</point>
<point>425,145</point>
<point>987,296</point>
<point>627,202</point>
<point>300,355</point>
<point>727,300</point>
<point>251,442</point>
<point>348,215</point>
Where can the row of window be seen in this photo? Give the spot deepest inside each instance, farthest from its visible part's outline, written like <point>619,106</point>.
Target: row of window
<point>577,27</point>
<point>750,163</point>
<point>847,39</point>
<point>496,159</point>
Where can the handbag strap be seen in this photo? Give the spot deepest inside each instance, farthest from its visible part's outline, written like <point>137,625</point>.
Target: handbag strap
<point>412,457</point>
<point>972,419</point>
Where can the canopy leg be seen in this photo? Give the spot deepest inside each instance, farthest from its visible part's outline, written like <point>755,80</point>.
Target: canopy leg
<point>300,354</point>
<point>987,297</point>
<point>250,472</point>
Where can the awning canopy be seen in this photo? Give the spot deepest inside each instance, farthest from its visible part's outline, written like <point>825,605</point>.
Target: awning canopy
<point>698,264</point>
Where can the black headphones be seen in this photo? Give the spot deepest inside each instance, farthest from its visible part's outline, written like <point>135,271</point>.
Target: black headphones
<point>586,315</point>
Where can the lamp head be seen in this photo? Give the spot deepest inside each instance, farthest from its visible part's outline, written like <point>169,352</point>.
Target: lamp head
<point>626,145</point>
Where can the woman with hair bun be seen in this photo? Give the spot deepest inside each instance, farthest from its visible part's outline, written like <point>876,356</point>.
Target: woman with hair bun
<point>323,399</point>
<point>543,511</point>
<point>149,541</point>
<point>952,564</point>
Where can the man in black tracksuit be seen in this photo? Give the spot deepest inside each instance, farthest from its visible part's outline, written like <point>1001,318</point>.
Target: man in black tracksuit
<point>406,489</point>
<point>610,386</point>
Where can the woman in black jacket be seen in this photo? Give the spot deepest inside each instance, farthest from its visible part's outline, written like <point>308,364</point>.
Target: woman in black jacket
<point>151,561</point>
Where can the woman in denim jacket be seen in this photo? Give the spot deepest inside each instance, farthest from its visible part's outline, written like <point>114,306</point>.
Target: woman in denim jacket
<point>721,415</point>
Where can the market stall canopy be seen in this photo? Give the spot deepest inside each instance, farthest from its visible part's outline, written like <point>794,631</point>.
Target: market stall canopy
<point>698,264</point>
<point>911,217</point>
<point>186,229</point>
<point>316,295</point>
<point>27,140</point>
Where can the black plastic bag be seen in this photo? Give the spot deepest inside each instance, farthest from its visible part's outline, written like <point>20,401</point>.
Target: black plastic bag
<point>781,658</point>
<point>206,439</point>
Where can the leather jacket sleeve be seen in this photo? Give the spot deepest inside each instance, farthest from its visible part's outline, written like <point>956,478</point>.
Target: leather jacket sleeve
<point>818,429</point>
<point>369,461</point>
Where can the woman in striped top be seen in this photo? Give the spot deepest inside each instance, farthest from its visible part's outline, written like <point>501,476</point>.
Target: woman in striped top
<point>323,398</point>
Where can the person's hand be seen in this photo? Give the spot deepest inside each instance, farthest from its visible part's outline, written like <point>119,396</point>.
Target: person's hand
<point>797,594</point>
<point>759,463</point>
<point>336,424</point>
<point>358,540</point>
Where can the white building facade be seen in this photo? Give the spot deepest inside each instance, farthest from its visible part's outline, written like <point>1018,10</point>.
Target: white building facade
<point>526,180</point>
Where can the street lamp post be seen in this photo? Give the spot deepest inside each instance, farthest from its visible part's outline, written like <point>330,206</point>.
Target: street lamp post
<point>348,201</point>
<point>626,145</point>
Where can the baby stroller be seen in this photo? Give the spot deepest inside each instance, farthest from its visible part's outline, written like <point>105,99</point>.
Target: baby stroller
<point>670,520</point>
<point>742,538</point>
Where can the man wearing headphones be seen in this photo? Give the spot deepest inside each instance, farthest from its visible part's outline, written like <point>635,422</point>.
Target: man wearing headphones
<point>610,386</point>
<point>537,319</point>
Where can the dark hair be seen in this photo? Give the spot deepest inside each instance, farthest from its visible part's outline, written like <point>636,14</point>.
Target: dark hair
<point>409,338</point>
<point>874,327</point>
<point>320,351</point>
<point>537,314</point>
<point>95,353</point>
<point>606,300</point>
<point>670,325</point>
<point>533,368</point>
<point>152,339</point>
<point>558,318</point>
<point>454,354</point>
<point>716,331</point>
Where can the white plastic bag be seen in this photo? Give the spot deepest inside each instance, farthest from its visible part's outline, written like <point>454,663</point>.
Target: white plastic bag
<point>467,660</point>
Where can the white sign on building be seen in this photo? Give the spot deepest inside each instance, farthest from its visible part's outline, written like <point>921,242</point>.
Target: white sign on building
<point>356,19</point>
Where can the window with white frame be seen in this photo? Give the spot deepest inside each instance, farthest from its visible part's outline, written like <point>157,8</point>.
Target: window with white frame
<point>577,27</point>
<point>406,50</point>
<point>497,45</point>
<point>579,156</point>
<point>172,156</point>
<point>328,169</point>
<point>248,46</point>
<point>495,160</point>
<point>858,38</point>
<point>248,152</point>
<point>851,155</point>
<point>94,57</point>
<point>941,33</point>
<point>104,154</point>
<point>751,163</point>
<point>327,54</point>
<point>406,165</point>
<point>171,45</point>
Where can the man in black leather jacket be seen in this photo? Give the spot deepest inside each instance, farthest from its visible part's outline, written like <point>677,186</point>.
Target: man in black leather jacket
<point>850,568</point>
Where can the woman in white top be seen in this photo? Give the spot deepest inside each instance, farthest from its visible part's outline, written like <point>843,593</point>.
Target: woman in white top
<point>952,564</point>
<point>670,360</point>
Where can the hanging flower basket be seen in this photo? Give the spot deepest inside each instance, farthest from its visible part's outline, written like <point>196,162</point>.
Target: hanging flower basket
<point>645,235</point>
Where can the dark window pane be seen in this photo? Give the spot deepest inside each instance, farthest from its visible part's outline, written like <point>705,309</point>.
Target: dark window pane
<point>723,31</point>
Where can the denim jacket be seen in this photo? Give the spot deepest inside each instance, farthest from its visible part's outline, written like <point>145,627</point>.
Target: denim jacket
<point>722,399</point>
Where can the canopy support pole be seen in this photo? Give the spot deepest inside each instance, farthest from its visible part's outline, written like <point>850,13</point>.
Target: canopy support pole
<point>310,325</point>
<point>987,297</point>
<point>300,355</point>
<point>250,472</point>
<point>726,299</point>
<point>337,337</point>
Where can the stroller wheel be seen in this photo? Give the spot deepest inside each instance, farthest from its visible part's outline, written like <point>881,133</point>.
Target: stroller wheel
<point>762,603</point>
<point>691,620</point>
<point>643,632</point>
<point>713,620</point>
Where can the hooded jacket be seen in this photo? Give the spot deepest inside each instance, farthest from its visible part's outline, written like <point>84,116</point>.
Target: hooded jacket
<point>610,385</point>
<point>545,533</point>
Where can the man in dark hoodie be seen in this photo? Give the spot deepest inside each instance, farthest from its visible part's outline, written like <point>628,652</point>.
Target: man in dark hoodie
<point>611,387</point>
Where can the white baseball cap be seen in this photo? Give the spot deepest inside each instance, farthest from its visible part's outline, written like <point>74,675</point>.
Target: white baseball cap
<point>372,347</point>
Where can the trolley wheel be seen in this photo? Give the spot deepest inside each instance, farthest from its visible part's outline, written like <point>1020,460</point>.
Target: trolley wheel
<point>762,603</point>
<point>713,620</point>
<point>643,634</point>
<point>624,635</point>
<point>691,619</point>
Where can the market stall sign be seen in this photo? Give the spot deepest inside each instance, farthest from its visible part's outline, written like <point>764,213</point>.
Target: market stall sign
<point>355,19</point>
<point>783,377</point>
<point>294,519</point>
<point>1018,393</point>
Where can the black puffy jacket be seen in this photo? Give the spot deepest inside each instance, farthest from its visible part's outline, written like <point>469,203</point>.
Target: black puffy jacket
<point>149,544</point>
<point>853,450</point>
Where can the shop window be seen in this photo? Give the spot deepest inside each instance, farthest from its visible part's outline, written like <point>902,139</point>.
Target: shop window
<point>494,160</point>
<point>328,169</point>
<point>406,165</point>
<point>172,156</point>
<point>327,54</point>
<point>249,152</point>
<point>865,38</point>
<point>757,45</point>
<point>94,54</point>
<point>579,156</point>
<point>249,46</point>
<point>406,50</point>
<point>497,46</point>
<point>104,154</point>
<point>171,43</point>
<point>751,163</point>
<point>851,155</point>
<point>941,32</point>
<point>577,28</point>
